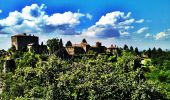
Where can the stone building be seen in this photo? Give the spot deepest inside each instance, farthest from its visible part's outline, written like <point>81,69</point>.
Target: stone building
<point>113,49</point>
<point>21,41</point>
<point>30,42</point>
<point>84,47</point>
<point>98,48</point>
<point>76,49</point>
<point>32,47</point>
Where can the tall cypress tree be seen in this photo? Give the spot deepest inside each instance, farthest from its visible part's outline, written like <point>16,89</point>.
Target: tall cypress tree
<point>126,47</point>
<point>137,51</point>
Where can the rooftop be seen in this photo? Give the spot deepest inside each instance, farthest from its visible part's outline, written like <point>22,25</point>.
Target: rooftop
<point>112,47</point>
<point>23,34</point>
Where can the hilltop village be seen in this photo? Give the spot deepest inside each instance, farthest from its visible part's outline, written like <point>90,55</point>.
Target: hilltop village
<point>32,70</point>
<point>31,42</point>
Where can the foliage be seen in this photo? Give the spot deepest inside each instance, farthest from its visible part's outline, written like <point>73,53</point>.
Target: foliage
<point>126,47</point>
<point>12,49</point>
<point>131,48</point>
<point>53,44</point>
<point>84,41</point>
<point>159,69</point>
<point>137,51</point>
<point>68,43</point>
<point>99,77</point>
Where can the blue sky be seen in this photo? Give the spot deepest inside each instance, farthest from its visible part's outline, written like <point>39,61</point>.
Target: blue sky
<point>144,23</point>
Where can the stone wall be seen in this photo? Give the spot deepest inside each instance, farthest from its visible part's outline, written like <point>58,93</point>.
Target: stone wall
<point>21,42</point>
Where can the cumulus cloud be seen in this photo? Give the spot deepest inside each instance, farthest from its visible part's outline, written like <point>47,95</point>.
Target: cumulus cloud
<point>102,31</point>
<point>114,24</point>
<point>34,11</point>
<point>14,18</point>
<point>67,18</point>
<point>33,19</point>
<point>143,29</point>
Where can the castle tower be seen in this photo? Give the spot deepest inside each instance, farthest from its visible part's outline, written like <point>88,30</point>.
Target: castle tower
<point>98,44</point>
<point>22,40</point>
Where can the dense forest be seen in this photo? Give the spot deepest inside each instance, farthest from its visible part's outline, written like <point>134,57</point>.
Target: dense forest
<point>126,75</point>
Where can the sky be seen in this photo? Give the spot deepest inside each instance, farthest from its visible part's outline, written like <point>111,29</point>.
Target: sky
<point>139,23</point>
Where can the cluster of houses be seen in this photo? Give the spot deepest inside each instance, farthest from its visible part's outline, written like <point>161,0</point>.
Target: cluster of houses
<point>31,42</point>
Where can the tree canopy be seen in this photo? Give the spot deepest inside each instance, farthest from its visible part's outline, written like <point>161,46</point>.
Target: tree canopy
<point>68,43</point>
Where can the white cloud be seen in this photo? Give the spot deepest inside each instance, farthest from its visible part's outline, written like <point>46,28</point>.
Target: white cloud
<point>148,35</point>
<point>163,35</point>
<point>140,21</point>
<point>65,18</point>
<point>143,29</point>
<point>32,12</point>
<point>14,18</point>
<point>89,16</point>
<point>114,24</point>
<point>33,19</point>
<point>160,35</point>
<point>115,18</point>
<point>0,11</point>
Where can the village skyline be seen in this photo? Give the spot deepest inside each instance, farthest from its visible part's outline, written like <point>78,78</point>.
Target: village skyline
<point>30,43</point>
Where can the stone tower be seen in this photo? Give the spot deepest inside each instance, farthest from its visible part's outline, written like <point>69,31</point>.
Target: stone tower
<point>22,40</point>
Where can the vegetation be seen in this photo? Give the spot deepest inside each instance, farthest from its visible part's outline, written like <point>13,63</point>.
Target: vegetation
<point>89,76</point>
<point>54,44</point>
<point>68,43</point>
<point>84,41</point>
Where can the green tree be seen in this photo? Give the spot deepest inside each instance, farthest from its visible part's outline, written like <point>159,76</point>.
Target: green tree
<point>53,44</point>
<point>12,49</point>
<point>131,48</point>
<point>137,51</point>
<point>160,51</point>
<point>84,41</point>
<point>125,47</point>
<point>154,50</point>
<point>28,60</point>
<point>60,43</point>
<point>149,52</point>
<point>68,43</point>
